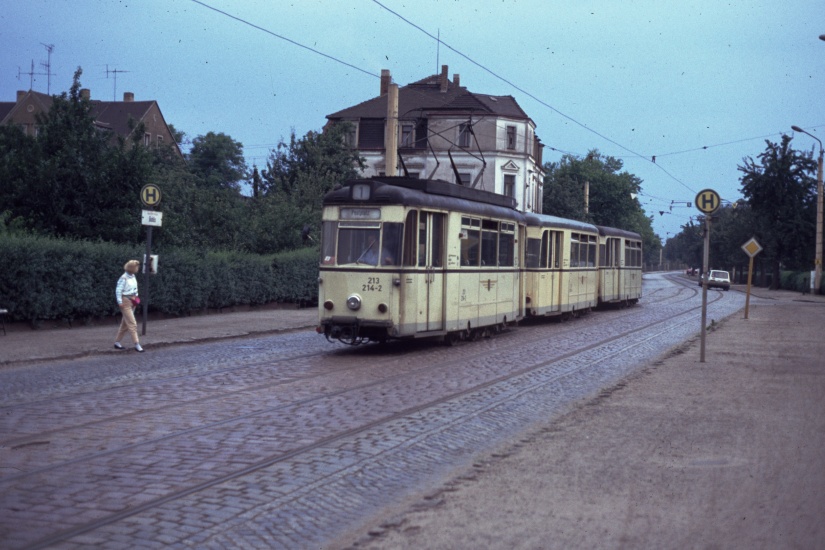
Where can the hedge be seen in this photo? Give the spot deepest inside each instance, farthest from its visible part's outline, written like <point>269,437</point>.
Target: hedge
<point>45,279</point>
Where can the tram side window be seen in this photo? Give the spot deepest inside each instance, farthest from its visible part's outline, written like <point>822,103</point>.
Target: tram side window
<point>489,243</point>
<point>557,249</point>
<point>471,241</point>
<point>544,251</point>
<point>603,255</point>
<point>506,245</point>
<point>328,243</point>
<point>411,239</point>
<point>534,253</point>
<point>437,254</point>
<point>574,250</point>
<point>591,251</point>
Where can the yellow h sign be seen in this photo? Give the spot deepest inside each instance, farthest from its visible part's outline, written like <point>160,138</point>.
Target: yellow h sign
<point>150,194</point>
<point>708,201</point>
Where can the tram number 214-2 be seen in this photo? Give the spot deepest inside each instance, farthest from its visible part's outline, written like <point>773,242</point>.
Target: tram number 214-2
<point>373,284</point>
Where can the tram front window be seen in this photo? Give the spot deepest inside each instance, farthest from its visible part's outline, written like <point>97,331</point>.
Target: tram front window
<point>364,246</point>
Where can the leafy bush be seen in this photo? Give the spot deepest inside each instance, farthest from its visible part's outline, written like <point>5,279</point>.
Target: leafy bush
<point>44,278</point>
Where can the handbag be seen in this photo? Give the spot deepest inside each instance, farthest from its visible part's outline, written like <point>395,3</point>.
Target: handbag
<point>135,300</point>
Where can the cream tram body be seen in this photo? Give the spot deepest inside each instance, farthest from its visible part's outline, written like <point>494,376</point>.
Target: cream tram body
<point>406,258</point>
<point>620,266</point>
<point>561,273</point>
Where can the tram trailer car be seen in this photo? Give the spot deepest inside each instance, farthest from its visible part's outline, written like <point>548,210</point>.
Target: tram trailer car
<point>560,266</point>
<point>410,258</point>
<point>620,266</point>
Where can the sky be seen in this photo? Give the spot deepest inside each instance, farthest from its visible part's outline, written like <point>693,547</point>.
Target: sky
<point>699,84</point>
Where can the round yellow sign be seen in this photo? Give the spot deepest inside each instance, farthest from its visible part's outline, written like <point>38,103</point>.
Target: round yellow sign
<point>708,201</point>
<point>150,194</point>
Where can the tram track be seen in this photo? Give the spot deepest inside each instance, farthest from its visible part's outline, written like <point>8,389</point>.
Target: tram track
<point>331,439</point>
<point>193,380</point>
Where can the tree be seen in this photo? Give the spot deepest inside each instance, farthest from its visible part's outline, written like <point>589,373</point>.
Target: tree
<point>73,179</point>
<point>782,196</point>
<point>611,196</point>
<point>293,185</point>
<point>218,161</point>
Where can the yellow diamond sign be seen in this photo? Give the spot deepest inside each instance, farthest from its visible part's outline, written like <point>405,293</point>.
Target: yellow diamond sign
<point>752,247</point>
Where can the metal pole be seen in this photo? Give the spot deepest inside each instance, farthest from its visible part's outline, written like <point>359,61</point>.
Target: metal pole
<point>818,256</point>
<point>705,270</point>
<point>145,299</point>
<point>748,295</point>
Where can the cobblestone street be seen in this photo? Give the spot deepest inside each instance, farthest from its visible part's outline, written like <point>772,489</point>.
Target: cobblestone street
<point>287,441</point>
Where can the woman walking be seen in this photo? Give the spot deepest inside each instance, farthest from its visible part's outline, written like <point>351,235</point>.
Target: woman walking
<point>126,293</point>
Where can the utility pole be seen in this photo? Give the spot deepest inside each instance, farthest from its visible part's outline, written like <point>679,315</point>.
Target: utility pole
<point>391,139</point>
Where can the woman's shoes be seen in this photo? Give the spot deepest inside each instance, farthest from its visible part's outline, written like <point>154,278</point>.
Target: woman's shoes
<point>138,348</point>
<point>118,346</point>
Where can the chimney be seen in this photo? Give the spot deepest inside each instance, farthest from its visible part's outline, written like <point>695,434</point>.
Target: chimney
<point>386,79</point>
<point>21,94</point>
<point>456,80</point>
<point>85,93</point>
<point>443,79</point>
<point>128,97</point>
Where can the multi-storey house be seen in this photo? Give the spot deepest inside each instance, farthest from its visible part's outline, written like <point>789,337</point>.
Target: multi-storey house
<point>447,132</point>
<point>109,116</point>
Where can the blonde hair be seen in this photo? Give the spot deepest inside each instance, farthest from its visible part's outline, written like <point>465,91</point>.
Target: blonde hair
<point>131,266</point>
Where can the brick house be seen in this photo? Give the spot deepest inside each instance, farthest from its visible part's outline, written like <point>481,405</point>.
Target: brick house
<point>109,116</point>
<point>490,139</point>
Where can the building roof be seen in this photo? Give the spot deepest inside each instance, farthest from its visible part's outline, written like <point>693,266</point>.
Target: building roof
<point>425,95</point>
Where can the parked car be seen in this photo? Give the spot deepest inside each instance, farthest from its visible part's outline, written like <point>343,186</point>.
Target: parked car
<point>716,279</point>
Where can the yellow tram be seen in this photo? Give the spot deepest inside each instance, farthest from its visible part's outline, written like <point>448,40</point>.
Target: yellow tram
<point>412,258</point>
<point>405,258</point>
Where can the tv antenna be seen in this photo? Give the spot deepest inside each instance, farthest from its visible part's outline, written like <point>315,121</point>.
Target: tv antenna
<point>48,66</point>
<point>31,75</point>
<point>114,72</point>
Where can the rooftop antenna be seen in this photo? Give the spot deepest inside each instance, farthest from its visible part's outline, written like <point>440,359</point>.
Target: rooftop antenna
<point>48,66</point>
<point>31,74</point>
<point>114,72</point>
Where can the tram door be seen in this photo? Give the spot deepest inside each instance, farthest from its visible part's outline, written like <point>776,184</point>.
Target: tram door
<point>612,284</point>
<point>430,244</point>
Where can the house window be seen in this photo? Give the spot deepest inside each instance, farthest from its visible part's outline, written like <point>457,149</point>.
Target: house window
<point>464,135</point>
<point>511,137</point>
<point>147,140</point>
<point>160,140</point>
<point>371,133</point>
<point>349,137</point>
<point>407,135</point>
<point>509,185</point>
<point>421,134</point>
<point>466,178</point>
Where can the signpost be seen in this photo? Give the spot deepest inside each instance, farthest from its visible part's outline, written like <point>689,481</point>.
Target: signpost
<point>751,248</point>
<point>707,201</point>
<point>150,197</point>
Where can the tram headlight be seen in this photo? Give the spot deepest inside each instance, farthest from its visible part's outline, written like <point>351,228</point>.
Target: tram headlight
<point>354,302</point>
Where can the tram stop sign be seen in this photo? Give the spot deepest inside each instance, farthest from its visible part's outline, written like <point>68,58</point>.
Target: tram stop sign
<point>708,201</point>
<point>150,195</point>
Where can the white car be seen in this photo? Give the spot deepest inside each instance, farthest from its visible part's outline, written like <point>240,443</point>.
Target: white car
<point>717,279</point>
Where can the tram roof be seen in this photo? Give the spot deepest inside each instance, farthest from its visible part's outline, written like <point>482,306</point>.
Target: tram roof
<point>545,220</point>
<point>613,232</point>
<point>427,193</point>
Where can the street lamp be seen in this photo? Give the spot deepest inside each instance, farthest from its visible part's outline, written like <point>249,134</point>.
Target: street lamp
<point>818,257</point>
